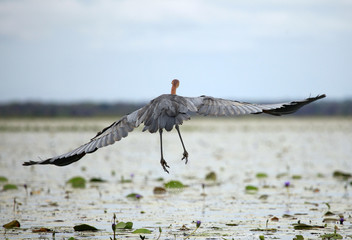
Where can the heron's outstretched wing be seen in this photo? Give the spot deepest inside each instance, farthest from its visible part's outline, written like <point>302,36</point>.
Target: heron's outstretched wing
<point>107,136</point>
<point>221,107</point>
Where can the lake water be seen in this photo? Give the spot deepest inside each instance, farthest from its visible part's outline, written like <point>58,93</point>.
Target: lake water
<point>301,152</point>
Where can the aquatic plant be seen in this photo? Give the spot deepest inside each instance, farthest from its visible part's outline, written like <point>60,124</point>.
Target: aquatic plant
<point>174,184</point>
<point>198,223</point>
<point>135,196</point>
<point>77,182</point>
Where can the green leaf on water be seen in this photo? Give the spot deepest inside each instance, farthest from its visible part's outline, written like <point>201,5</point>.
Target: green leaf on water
<point>340,174</point>
<point>84,227</point>
<point>329,213</point>
<point>124,225</point>
<point>135,196</point>
<point>298,237</point>
<point>9,187</point>
<point>129,225</point>
<point>174,184</point>
<point>77,182</point>
<point>211,176</point>
<point>303,226</point>
<point>297,177</point>
<point>331,236</point>
<point>251,189</point>
<point>142,230</point>
<point>97,180</point>
<point>261,175</point>
<point>120,225</point>
<point>3,179</point>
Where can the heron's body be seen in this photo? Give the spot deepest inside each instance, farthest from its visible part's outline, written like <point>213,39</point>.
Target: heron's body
<point>167,111</point>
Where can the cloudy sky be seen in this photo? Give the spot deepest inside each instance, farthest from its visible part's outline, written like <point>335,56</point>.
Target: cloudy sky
<point>79,50</point>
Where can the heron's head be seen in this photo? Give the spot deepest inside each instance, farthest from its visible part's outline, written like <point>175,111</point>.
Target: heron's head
<point>175,83</point>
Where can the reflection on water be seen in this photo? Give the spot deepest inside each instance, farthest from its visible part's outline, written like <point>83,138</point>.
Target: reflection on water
<point>304,152</point>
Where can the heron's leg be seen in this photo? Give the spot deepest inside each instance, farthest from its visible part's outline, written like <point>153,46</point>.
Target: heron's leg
<point>162,160</point>
<point>185,153</point>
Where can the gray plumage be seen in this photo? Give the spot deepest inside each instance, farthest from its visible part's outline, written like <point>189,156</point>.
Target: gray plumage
<point>167,111</point>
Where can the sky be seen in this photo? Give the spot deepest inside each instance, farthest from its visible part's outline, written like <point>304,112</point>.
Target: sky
<point>131,50</point>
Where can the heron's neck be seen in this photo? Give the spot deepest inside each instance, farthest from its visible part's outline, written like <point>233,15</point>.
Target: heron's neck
<point>173,90</point>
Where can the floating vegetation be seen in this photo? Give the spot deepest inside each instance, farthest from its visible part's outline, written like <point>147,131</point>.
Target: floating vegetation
<point>343,175</point>
<point>159,190</point>
<point>9,187</point>
<point>12,224</point>
<point>3,179</point>
<point>250,189</point>
<point>97,180</point>
<point>40,230</point>
<point>124,225</point>
<point>77,182</point>
<point>174,184</point>
<point>142,230</point>
<point>211,176</point>
<point>331,220</point>
<point>85,227</point>
<point>124,180</point>
<point>296,177</point>
<point>298,237</point>
<point>261,175</point>
<point>264,230</point>
<point>231,224</point>
<point>303,226</point>
<point>329,213</point>
<point>198,223</point>
<point>334,235</point>
<point>135,196</point>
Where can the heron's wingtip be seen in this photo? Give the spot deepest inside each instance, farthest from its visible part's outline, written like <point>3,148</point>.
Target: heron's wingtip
<point>29,163</point>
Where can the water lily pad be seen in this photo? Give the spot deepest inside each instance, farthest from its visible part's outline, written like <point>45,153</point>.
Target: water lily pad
<point>330,220</point>
<point>9,187</point>
<point>211,176</point>
<point>174,184</point>
<point>298,237</point>
<point>251,189</point>
<point>3,179</point>
<point>303,226</point>
<point>134,196</point>
<point>97,180</point>
<point>329,213</point>
<point>12,224</point>
<point>142,230</point>
<point>261,175</point>
<point>124,225</point>
<point>159,190</point>
<point>77,182</point>
<point>39,230</point>
<point>331,236</point>
<point>84,227</point>
<point>340,174</point>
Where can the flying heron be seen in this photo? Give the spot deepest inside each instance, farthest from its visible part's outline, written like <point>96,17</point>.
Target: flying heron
<point>167,111</point>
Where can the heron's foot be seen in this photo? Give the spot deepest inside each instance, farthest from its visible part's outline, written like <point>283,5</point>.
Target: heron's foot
<point>164,165</point>
<point>185,157</point>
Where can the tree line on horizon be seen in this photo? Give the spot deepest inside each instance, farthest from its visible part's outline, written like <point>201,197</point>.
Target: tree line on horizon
<point>85,109</point>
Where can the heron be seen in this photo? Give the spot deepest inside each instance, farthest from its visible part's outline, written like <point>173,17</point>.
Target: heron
<point>166,112</point>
